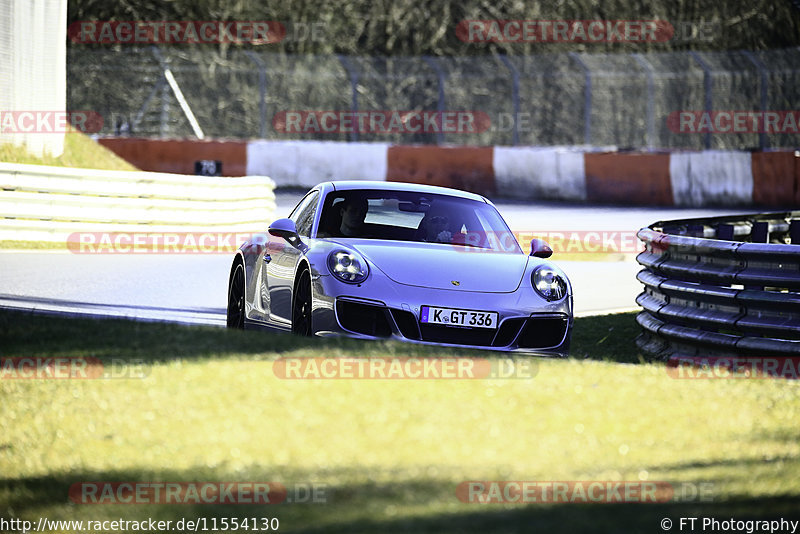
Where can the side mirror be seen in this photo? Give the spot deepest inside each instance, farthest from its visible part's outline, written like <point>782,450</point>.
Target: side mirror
<point>286,229</point>
<point>540,248</point>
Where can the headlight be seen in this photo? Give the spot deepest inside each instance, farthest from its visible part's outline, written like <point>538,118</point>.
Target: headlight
<point>549,283</point>
<point>348,266</point>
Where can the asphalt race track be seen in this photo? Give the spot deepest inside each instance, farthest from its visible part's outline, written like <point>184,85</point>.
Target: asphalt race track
<point>192,288</point>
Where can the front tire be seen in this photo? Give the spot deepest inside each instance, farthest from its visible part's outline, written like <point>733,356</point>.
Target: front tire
<point>301,305</point>
<point>236,297</point>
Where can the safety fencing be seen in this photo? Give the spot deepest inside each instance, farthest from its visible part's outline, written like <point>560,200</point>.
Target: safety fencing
<point>40,203</point>
<point>555,99</point>
<point>725,286</point>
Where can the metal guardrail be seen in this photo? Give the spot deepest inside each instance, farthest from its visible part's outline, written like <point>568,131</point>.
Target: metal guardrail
<point>40,203</point>
<point>724,286</point>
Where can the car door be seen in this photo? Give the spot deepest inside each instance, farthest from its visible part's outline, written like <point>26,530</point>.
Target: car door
<point>281,260</point>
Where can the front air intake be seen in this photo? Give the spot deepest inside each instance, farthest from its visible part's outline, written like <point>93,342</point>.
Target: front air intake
<point>361,318</point>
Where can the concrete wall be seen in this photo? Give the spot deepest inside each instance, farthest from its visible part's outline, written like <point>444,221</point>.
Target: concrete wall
<point>307,163</point>
<point>705,178</point>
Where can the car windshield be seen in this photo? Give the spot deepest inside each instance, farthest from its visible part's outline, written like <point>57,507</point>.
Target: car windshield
<point>417,217</point>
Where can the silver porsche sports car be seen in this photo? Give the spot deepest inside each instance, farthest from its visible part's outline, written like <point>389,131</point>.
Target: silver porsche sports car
<point>412,262</point>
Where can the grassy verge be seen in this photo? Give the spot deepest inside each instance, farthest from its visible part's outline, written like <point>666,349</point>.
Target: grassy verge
<point>606,338</point>
<point>389,453</point>
<point>79,151</point>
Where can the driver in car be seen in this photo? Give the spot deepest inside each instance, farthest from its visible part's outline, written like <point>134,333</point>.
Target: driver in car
<point>353,211</point>
<point>435,229</point>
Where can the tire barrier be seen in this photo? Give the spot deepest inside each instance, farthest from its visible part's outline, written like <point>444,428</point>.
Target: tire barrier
<point>41,203</point>
<point>724,286</point>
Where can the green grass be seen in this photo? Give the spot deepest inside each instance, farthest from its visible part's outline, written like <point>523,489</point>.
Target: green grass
<point>606,337</point>
<point>390,452</point>
<point>79,151</point>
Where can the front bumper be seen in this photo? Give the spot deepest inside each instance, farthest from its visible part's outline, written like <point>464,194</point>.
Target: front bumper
<point>386,310</point>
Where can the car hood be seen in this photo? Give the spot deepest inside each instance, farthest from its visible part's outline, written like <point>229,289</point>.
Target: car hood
<point>439,266</point>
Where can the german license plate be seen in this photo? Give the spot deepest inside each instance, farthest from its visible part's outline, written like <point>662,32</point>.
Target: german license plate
<point>458,317</point>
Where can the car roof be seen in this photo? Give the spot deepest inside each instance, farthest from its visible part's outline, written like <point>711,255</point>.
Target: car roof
<point>344,185</point>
